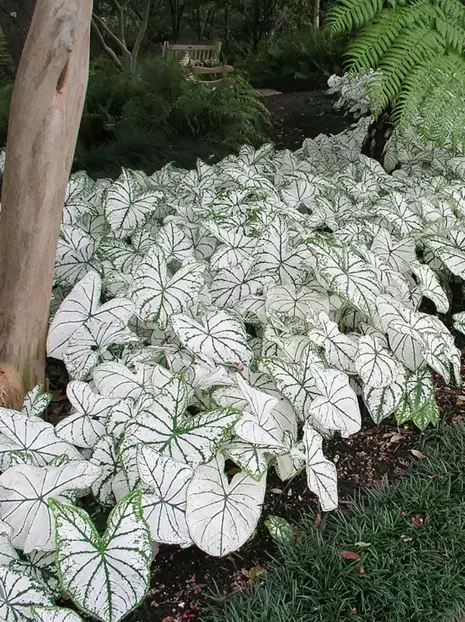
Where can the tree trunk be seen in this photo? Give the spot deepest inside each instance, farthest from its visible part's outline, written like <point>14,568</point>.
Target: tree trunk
<point>379,132</point>
<point>15,19</point>
<point>47,105</point>
<point>316,13</point>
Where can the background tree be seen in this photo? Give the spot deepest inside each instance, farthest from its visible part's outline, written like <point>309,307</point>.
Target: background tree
<point>112,22</point>
<point>46,109</point>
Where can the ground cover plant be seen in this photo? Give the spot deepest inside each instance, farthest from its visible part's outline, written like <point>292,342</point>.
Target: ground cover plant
<point>237,313</point>
<point>396,554</point>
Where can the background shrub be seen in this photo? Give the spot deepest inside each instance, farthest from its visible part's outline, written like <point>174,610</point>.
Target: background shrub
<point>296,61</point>
<point>145,120</point>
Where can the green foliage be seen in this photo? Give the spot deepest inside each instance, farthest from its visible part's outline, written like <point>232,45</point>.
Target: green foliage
<point>5,100</point>
<point>145,120</point>
<point>413,568</point>
<point>417,46</point>
<point>293,61</point>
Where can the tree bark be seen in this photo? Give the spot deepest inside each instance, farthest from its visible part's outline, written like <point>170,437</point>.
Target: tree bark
<point>15,19</point>
<point>378,135</point>
<point>47,105</point>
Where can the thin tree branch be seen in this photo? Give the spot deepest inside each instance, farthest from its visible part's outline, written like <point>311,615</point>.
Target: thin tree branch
<point>106,47</point>
<point>109,32</point>
<point>122,33</point>
<point>141,34</point>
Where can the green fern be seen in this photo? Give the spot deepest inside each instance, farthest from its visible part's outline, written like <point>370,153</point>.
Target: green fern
<point>418,47</point>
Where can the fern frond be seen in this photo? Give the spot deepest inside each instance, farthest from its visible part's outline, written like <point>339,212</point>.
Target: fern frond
<point>350,14</point>
<point>417,47</point>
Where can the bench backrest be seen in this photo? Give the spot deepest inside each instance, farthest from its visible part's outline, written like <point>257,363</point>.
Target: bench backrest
<point>199,53</point>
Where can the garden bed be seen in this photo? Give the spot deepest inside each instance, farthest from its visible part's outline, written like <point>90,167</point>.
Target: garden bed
<point>183,580</point>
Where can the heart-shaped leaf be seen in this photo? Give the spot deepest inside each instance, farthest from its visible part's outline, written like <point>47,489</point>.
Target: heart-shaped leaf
<point>105,576</point>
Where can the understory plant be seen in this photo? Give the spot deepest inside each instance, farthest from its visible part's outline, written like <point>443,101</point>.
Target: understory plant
<point>294,61</point>
<point>417,46</point>
<point>240,312</point>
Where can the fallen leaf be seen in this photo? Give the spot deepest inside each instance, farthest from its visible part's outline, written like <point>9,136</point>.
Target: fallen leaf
<point>361,570</point>
<point>350,555</point>
<point>416,453</point>
<point>276,491</point>
<point>417,521</point>
<point>317,520</point>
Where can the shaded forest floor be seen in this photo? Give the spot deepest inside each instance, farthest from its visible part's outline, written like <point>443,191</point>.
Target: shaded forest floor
<point>296,116</point>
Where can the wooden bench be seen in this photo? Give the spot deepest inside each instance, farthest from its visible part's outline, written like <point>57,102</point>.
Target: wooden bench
<point>215,71</point>
<point>195,57</point>
<point>199,53</point>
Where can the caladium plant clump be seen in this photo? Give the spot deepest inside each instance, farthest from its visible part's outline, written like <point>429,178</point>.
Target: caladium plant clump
<point>242,312</point>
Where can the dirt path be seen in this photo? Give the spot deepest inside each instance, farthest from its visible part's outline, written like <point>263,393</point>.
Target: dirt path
<point>296,116</point>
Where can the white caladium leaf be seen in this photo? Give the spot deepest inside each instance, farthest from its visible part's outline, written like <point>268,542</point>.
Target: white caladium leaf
<point>235,247</point>
<point>383,402</point>
<point>295,382</point>
<point>77,202</point>
<point>163,423</point>
<point>86,424</point>
<point>106,576</point>
<point>250,458</point>
<point>25,490</point>
<point>40,565</point>
<point>336,408</point>
<point>76,255</point>
<point>430,286</point>
<point>32,436</point>
<point>321,472</point>
<point>436,352</point>
<point>118,418</point>
<point>374,364</point>
<point>18,595</point>
<point>397,254</point>
<point>221,339</point>
<point>164,503</point>
<point>231,285</point>
<point>301,303</point>
<point>277,257</point>
<point>340,350</point>
<point>396,210</point>
<point>257,425</point>
<point>88,346</point>
<point>222,515</point>
<point>115,380</point>
<point>450,250</point>
<point>81,329</point>
<point>403,328</point>
<point>54,614</point>
<point>459,321</point>
<point>350,277</point>
<point>157,295</point>
<point>74,311</point>
<point>8,553</point>
<point>127,205</point>
<point>104,455</point>
<point>174,243</point>
<point>36,402</point>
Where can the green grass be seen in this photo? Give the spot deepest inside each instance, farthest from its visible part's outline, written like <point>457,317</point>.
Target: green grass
<point>410,573</point>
